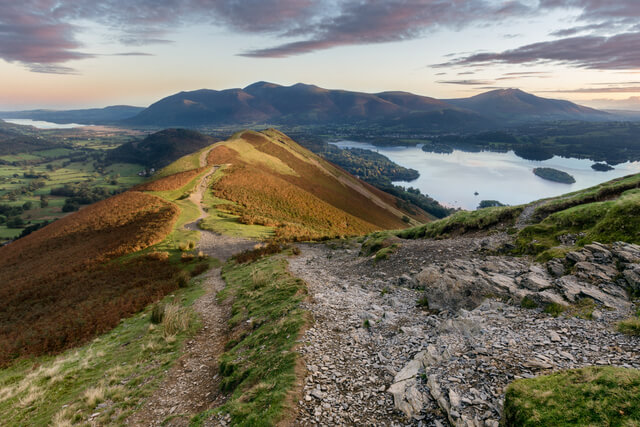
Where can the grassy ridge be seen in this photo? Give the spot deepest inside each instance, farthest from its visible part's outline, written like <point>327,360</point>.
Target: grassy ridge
<point>258,367</point>
<point>273,182</point>
<point>588,396</point>
<point>605,222</point>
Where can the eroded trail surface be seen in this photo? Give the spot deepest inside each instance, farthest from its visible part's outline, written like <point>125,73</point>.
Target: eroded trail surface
<point>375,355</point>
<point>192,384</point>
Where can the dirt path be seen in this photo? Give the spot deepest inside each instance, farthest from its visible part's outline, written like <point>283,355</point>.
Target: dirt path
<point>192,384</point>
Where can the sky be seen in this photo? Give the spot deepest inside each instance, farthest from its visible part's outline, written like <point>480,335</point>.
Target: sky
<point>64,54</point>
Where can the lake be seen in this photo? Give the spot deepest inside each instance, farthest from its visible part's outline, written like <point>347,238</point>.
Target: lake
<point>453,178</point>
<point>42,124</point>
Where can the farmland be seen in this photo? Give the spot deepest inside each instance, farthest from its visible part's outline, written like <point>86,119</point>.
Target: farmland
<point>43,161</point>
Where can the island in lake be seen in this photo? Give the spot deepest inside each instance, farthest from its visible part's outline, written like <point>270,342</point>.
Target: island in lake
<point>554,175</point>
<point>601,167</point>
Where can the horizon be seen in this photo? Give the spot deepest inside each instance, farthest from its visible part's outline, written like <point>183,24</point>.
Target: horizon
<point>72,55</point>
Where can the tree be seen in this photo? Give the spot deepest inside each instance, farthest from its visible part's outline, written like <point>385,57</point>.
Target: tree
<point>15,222</point>
<point>44,201</point>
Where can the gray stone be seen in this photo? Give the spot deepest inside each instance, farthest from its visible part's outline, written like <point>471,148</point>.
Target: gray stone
<point>576,256</point>
<point>556,267</point>
<point>536,282</point>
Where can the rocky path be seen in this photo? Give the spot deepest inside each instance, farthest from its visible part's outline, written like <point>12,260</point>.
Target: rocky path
<point>374,357</point>
<point>192,384</point>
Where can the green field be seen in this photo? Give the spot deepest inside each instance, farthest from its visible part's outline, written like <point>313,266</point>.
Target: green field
<point>25,177</point>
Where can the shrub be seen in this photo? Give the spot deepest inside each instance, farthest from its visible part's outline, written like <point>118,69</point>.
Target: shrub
<point>176,319</point>
<point>528,302</point>
<point>187,257</point>
<point>200,268</point>
<point>555,309</point>
<point>157,313</point>
<point>423,302</point>
<point>254,254</point>
<point>183,279</point>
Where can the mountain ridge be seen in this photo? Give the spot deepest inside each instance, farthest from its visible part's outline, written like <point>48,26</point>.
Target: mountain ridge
<point>266,102</point>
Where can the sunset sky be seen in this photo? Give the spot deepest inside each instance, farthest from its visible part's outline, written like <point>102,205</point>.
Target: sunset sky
<point>81,53</point>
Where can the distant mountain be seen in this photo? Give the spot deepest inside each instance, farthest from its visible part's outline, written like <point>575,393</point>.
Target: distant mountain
<point>107,115</point>
<point>161,148</point>
<point>516,105</point>
<point>264,102</point>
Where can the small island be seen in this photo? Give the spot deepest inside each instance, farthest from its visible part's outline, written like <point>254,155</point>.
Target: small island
<point>554,175</point>
<point>601,167</point>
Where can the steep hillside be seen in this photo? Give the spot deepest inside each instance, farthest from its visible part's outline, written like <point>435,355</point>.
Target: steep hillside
<point>514,104</point>
<point>161,148</point>
<point>59,286</point>
<point>272,181</point>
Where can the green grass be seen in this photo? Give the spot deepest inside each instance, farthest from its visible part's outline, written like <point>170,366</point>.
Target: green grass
<point>592,396</point>
<point>258,368</point>
<point>384,253</point>
<point>601,192</point>
<point>121,368</point>
<point>185,163</point>
<point>463,222</point>
<point>630,326</point>
<point>554,309</point>
<point>225,223</point>
<point>604,222</point>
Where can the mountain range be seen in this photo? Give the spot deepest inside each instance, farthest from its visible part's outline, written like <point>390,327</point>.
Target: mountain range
<point>270,103</point>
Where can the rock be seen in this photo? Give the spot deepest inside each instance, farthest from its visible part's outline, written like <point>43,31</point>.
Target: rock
<point>454,399</point>
<point>626,252</point>
<point>596,315</point>
<point>633,278</point>
<point>317,394</point>
<point>536,282</point>
<point>550,296</point>
<point>599,251</point>
<point>595,273</point>
<point>553,335</point>
<point>407,281</point>
<point>576,256</point>
<point>407,398</point>
<point>556,268</point>
<point>537,364</point>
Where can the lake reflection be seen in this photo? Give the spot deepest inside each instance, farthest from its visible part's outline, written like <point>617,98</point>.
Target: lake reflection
<point>453,178</point>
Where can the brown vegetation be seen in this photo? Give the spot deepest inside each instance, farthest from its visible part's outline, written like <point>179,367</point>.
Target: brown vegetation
<point>60,285</point>
<point>317,201</point>
<point>171,182</point>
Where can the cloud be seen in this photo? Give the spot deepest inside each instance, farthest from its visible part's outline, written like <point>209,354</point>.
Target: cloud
<point>618,52</point>
<point>51,69</point>
<point>371,21</point>
<point>580,29</point>
<point>465,82</point>
<point>622,89</point>
<point>132,54</point>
